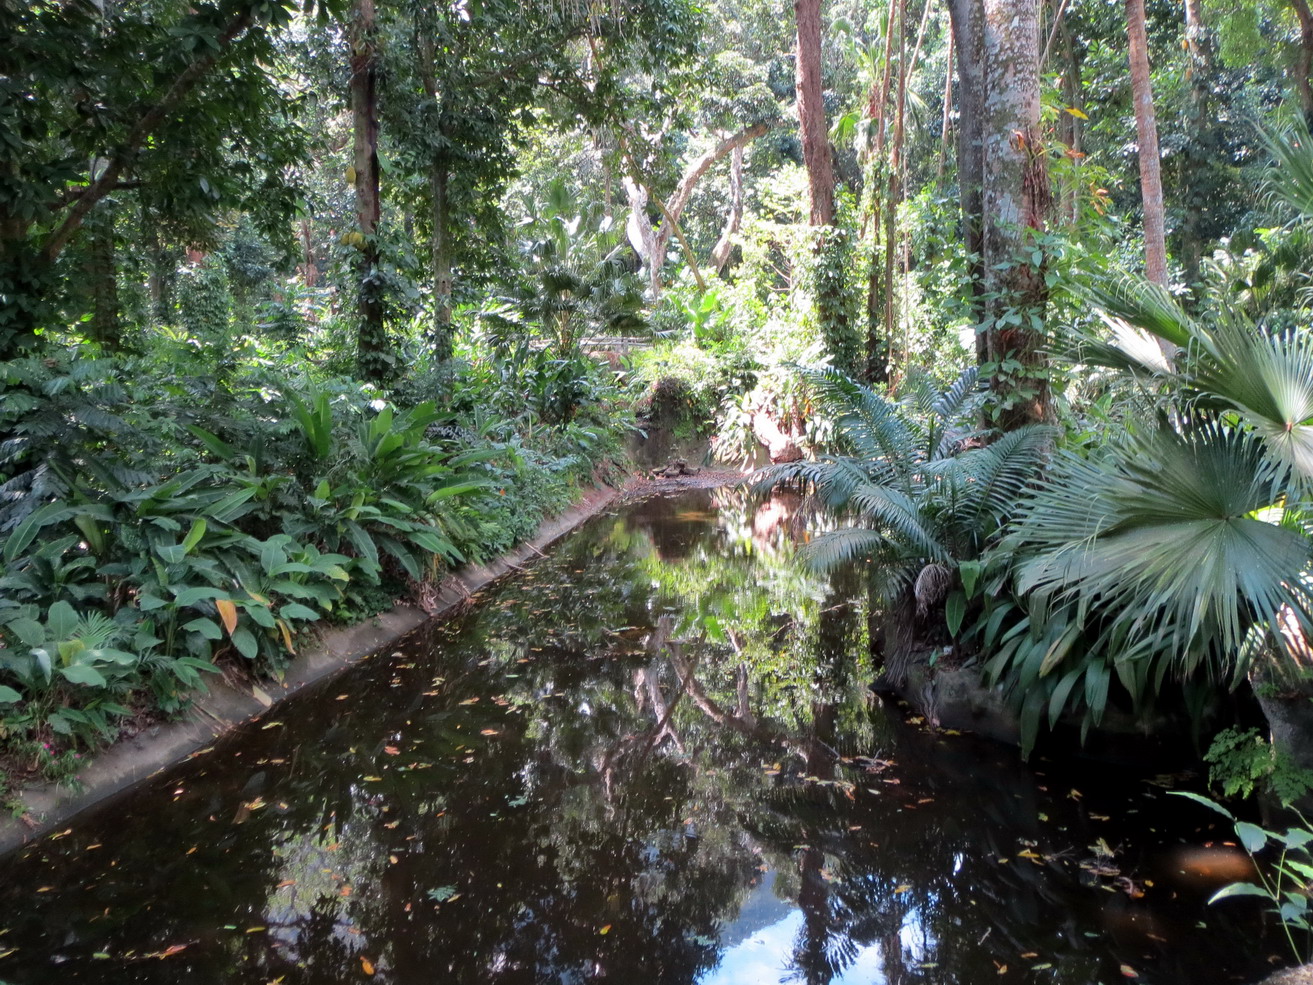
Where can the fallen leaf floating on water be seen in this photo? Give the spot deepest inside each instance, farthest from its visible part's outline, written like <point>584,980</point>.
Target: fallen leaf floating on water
<point>469,701</point>
<point>366,965</point>
<point>392,750</point>
<point>1128,971</point>
<point>605,930</point>
<point>902,889</point>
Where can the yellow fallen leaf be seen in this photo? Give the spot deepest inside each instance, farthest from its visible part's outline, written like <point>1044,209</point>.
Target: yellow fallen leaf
<point>366,965</point>
<point>902,889</point>
<point>605,930</point>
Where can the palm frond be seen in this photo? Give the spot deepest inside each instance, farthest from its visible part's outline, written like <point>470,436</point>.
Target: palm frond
<point>955,401</point>
<point>1000,471</point>
<point>1165,535</point>
<point>1268,379</point>
<point>871,425</point>
<point>1291,177</point>
<point>839,547</point>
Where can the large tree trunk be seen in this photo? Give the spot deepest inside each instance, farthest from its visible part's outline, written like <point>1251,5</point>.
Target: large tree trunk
<point>1146,127</point>
<point>811,113</point>
<point>373,358</point>
<point>1001,146</point>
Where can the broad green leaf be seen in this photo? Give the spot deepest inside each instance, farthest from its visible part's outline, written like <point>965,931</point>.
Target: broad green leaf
<point>246,643</point>
<point>1212,805</point>
<point>190,596</point>
<point>1251,836</point>
<point>82,674</point>
<point>1240,889</point>
<point>194,535</point>
<point>955,610</point>
<point>62,620</point>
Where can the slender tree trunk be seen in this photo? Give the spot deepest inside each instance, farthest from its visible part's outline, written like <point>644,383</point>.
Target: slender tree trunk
<point>968,23</point>
<point>1303,66</point>
<point>1201,144</point>
<point>894,198</point>
<point>102,273</point>
<point>1016,201</point>
<point>439,176</point>
<point>877,339</point>
<point>1146,127</point>
<point>811,113</point>
<point>1072,132</point>
<point>946,130</point>
<point>373,357</point>
<point>159,280</point>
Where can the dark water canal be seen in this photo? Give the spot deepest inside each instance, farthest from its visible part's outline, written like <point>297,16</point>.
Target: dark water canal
<point>652,758</point>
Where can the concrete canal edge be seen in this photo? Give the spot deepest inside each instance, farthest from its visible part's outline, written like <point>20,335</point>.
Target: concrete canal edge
<point>227,705</point>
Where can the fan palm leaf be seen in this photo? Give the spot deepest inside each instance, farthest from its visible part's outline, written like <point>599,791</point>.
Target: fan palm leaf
<point>1167,533</point>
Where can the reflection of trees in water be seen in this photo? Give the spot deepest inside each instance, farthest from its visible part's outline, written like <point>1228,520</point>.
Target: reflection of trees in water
<point>645,733</point>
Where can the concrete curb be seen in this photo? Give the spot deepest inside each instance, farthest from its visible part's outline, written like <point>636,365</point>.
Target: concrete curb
<point>132,760</point>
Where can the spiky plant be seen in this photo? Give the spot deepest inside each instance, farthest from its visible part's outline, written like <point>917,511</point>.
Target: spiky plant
<point>920,501</point>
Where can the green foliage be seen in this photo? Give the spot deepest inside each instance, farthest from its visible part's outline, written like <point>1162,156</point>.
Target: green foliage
<point>923,504</point>
<point>144,545</point>
<point>1241,760</point>
<point>836,305</point>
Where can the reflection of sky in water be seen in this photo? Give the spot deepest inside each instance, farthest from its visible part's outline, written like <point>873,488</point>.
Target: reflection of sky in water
<point>765,958</point>
<point>760,944</point>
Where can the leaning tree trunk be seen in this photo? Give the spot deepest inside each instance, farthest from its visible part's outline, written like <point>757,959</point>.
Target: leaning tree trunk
<point>1014,202</point>
<point>373,355</point>
<point>653,244</point>
<point>811,113</point>
<point>725,245</point>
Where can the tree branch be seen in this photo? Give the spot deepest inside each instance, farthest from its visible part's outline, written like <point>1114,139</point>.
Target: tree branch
<point>143,128</point>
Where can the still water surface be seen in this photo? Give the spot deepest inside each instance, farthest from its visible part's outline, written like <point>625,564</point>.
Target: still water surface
<point>652,757</point>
